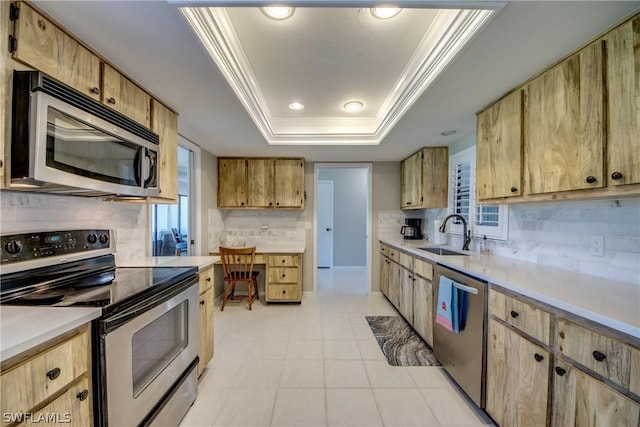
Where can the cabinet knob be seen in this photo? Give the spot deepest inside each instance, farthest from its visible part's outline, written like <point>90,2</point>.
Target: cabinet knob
<point>53,374</point>
<point>111,101</point>
<point>270,203</point>
<point>514,190</point>
<point>599,356</point>
<point>514,314</point>
<point>407,203</point>
<point>242,204</point>
<point>616,176</point>
<point>202,302</point>
<point>284,261</point>
<point>277,203</point>
<point>560,371</point>
<point>95,90</point>
<point>284,292</point>
<point>83,395</point>
<point>590,179</point>
<point>539,358</point>
<point>284,275</point>
<point>208,279</point>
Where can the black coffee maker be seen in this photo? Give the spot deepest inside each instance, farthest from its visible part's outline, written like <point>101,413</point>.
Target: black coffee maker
<point>412,230</point>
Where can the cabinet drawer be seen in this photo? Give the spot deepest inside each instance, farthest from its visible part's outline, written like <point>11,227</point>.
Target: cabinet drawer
<point>283,275</point>
<point>73,407</point>
<point>384,249</point>
<point>282,292</point>
<point>394,254</point>
<point>406,261</point>
<point>603,355</point>
<point>283,260</point>
<point>206,280</point>
<point>423,268</point>
<point>39,378</point>
<point>529,319</point>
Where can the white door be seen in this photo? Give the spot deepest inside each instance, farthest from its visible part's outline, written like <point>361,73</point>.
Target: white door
<point>325,224</point>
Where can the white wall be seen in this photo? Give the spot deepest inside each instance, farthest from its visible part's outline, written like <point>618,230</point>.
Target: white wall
<point>349,214</point>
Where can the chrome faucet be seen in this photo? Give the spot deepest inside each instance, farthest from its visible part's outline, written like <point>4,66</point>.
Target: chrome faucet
<point>465,233</point>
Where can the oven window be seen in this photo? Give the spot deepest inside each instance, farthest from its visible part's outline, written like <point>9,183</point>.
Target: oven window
<point>76,147</point>
<point>157,344</point>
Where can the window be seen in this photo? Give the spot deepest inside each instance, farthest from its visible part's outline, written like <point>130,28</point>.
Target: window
<point>483,220</point>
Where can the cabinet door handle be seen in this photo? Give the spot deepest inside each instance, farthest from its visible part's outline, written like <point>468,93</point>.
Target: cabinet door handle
<point>53,374</point>
<point>599,356</point>
<point>514,190</point>
<point>111,101</point>
<point>408,203</point>
<point>590,179</point>
<point>208,279</point>
<point>95,91</point>
<point>560,371</point>
<point>616,176</point>
<point>83,395</point>
<point>539,358</point>
<point>514,314</point>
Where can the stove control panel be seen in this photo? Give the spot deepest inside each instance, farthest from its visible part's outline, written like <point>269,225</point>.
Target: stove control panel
<point>30,246</point>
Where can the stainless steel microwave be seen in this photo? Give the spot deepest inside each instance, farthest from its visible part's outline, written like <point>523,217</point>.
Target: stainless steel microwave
<point>65,142</point>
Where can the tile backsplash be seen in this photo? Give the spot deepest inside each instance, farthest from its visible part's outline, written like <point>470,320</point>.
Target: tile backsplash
<point>255,227</point>
<point>559,234</point>
<point>24,212</point>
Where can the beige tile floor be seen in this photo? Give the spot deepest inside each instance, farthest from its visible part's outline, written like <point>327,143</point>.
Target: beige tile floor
<point>318,364</point>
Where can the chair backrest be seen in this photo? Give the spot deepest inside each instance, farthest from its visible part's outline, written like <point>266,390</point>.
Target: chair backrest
<point>237,263</point>
<point>176,236</point>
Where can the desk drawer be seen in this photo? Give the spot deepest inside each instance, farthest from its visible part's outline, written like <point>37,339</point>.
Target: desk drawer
<point>42,376</point>
<point>283,275</point>
<point>205,278</point>
<point>527,318</point>
<point>282,293</point>
<point>606,356</point>
<point>283,260</point>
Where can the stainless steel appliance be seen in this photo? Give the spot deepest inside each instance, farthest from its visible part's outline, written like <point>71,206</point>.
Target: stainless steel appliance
<point>463,355</point>
<point>145,344</point>
<point>65,142</point>
<point>412,230</point>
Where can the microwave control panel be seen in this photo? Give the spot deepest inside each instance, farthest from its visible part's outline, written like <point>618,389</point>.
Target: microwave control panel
<point>43,244</point>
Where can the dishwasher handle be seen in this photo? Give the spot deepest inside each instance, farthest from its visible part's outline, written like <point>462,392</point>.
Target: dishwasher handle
<point>465,288</point>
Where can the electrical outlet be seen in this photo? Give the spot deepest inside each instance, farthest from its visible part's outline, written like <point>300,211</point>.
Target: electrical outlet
<point>597,245</point>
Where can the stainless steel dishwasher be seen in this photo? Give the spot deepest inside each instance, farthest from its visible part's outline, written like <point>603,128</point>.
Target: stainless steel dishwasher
<point>463,355</point>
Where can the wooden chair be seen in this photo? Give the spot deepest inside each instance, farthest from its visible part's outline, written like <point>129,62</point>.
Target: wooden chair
<point>237,264</point>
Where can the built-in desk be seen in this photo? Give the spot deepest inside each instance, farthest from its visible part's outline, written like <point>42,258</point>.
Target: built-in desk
<point>283,275</point>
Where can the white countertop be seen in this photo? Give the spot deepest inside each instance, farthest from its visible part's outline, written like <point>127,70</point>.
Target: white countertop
<point>202,262</point>
<point>22,328</point>
<point>608,302</point>
<point>276,248</point>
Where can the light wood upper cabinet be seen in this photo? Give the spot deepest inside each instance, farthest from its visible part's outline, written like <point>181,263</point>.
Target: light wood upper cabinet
<point>582,401</point>
<point>289,183</point>
<point>6,84</point>
<point>517,378</point>
<point>164,122</point>
<point>499,148</point>
<point>425,179</point>
<point>124,96</point>
<point>623,87</point>
<point>232,183</point>
<point>261,176</point>
<point>565,136</point>
<point>412,181</point>
<point>44,46</point>
<point>260,183</point>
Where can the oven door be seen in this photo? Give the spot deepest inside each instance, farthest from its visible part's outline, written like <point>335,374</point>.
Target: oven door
<point>74,148</point>
<point>147,354</point>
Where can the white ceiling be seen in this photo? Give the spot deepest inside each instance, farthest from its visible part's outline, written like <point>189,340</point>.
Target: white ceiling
<point>152,43</point>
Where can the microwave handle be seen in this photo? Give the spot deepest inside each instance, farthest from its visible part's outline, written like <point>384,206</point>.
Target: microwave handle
<point>152,167</point>
<point>137,166</point>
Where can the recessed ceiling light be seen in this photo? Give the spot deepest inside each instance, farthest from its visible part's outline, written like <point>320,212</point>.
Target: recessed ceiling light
<point>448,132</point>
<point>353,106</point>
<point>296,106</point>
<point>385,12</point>
<point>278,12</point>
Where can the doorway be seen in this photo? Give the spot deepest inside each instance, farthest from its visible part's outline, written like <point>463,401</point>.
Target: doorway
<point>342,213</point>
<point>172,224</point>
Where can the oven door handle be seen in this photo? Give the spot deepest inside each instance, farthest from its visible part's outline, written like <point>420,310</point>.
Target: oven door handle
<point>111,323</point>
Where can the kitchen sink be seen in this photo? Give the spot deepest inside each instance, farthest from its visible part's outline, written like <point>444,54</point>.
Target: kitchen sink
<point>441,251</point>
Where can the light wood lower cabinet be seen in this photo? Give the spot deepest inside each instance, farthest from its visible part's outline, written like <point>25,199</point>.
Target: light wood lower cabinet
<point>406,294</point>
<point>284,278</point>
<point>423,308</point>
<point>582,401</point>
<point>517,378</point>
<point>384,275</point>
<point>394,284</point>
<point>52,378</point>
<point>72,408</point>
<point>205,348</point>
